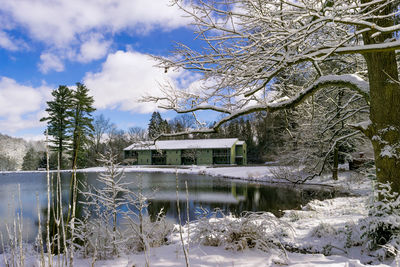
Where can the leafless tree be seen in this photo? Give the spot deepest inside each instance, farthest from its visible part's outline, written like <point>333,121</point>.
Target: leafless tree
<point>101,127</point>
<point>137,134</point>
<point>249,43</point>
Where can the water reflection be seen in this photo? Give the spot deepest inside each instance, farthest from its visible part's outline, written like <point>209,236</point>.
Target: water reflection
<point>232,196</point>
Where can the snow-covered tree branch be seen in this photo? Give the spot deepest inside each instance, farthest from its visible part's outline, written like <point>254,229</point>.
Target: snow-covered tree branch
<point>270,55</point>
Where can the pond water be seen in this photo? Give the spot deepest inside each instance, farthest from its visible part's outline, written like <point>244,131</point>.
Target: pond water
<point>233,196</point>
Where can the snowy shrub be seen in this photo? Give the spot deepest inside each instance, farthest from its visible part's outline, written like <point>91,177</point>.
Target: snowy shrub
<point>324,230</point>
<point>296,215</point>
<point>155,233</point>
<point>288,174</point>
<point>292,215</point>
<point>99,231</point>
<point>115,220</point>
<point>99,239</point>
<point>352,235</point>
<point>314,205</point>
<point>381,229</point>
<point>252,230</point>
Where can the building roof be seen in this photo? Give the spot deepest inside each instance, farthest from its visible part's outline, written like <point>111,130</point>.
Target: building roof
<point>184,144</point>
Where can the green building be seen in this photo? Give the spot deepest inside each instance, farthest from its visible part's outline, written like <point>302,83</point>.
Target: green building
<point>188,152</point>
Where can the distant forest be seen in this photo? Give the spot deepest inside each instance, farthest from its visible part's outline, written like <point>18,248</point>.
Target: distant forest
<point>269,138</point>
<point>277,137</point>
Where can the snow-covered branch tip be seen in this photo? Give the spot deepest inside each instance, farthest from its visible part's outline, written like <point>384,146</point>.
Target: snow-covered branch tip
<point>350,81</point>
<point>364,127</point>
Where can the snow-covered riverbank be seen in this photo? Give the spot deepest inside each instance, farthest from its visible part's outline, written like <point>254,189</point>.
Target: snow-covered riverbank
<point>323,233</point>
<point>327,227</point>
<point>322,227</point>
<point>348,181</point>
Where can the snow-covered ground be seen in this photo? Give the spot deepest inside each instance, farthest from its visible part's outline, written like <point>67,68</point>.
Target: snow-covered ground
<point>329,227</point>
<point>321,226</point>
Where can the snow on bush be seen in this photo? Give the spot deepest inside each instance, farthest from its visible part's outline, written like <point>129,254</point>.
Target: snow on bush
<point>155,232</point>
<point>260,230</point>
<point>115,220</point>
<point>99,231</point>
<point>381,229</point>
<point>324,230</point>
<point>289,174</point>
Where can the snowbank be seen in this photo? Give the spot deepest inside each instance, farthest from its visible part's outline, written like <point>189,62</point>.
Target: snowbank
<point>319,226</point>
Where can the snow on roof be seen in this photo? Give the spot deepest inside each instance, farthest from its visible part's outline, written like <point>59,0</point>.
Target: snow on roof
<point>184,144</point>
<point>240,143</point>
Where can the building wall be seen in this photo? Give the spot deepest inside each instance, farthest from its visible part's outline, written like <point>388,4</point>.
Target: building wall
<point>233,154</point>
<point>204,157</point>
<point>244,154</point>
<point>144,157</point>
<point>241,150</point>
<point>174,157</point>
<point>222,156</point>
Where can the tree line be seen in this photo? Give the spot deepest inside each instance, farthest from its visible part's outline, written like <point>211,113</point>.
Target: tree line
<point>299,136</point>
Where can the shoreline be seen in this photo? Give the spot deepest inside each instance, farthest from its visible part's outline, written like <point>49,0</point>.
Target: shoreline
<point>317,226</point>
<point>256,173</point>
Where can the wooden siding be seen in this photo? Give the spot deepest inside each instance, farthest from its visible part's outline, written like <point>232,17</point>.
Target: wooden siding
<point>174,157</point>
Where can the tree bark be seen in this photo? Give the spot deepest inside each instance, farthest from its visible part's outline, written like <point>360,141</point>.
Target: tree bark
<point>384,131</point>
<point>335,163</point>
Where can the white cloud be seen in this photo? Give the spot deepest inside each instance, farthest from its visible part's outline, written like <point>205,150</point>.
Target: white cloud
<point>63,25</point>
<point>94,48</point>
<point>16,99</point>
<point>60,22</point>
<point>6,42</point>
<point>126,77</point>
<point>14,124</point>
<point>21,106</point>
<point>49,62</point>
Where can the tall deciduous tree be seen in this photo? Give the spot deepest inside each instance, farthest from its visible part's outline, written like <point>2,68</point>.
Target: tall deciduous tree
<point>249,43</point>
<point>58,120</point>
<point>81,120</point>
<point>101,126</point>
<point>136,134</point>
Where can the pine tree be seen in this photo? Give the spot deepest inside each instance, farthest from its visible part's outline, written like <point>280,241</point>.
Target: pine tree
<point>31,160</point>
<point>156,125</point>
<point>81,121</point>
<point>58,120</point>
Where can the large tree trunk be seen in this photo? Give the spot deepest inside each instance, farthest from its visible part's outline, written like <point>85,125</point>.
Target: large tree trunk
<point>385,116</point>
<point>384,132</point>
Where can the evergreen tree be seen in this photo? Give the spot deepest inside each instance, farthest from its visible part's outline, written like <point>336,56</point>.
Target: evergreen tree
<point>58,120</point>
<point>81,121</point>
<point>165,127</point>
<point>157,125</point>
<point>31,160</point>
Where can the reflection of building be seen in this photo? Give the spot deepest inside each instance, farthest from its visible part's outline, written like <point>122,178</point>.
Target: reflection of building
<point>187,152</point>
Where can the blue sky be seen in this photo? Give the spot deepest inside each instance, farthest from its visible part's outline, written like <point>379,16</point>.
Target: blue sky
<point>103,44</point>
